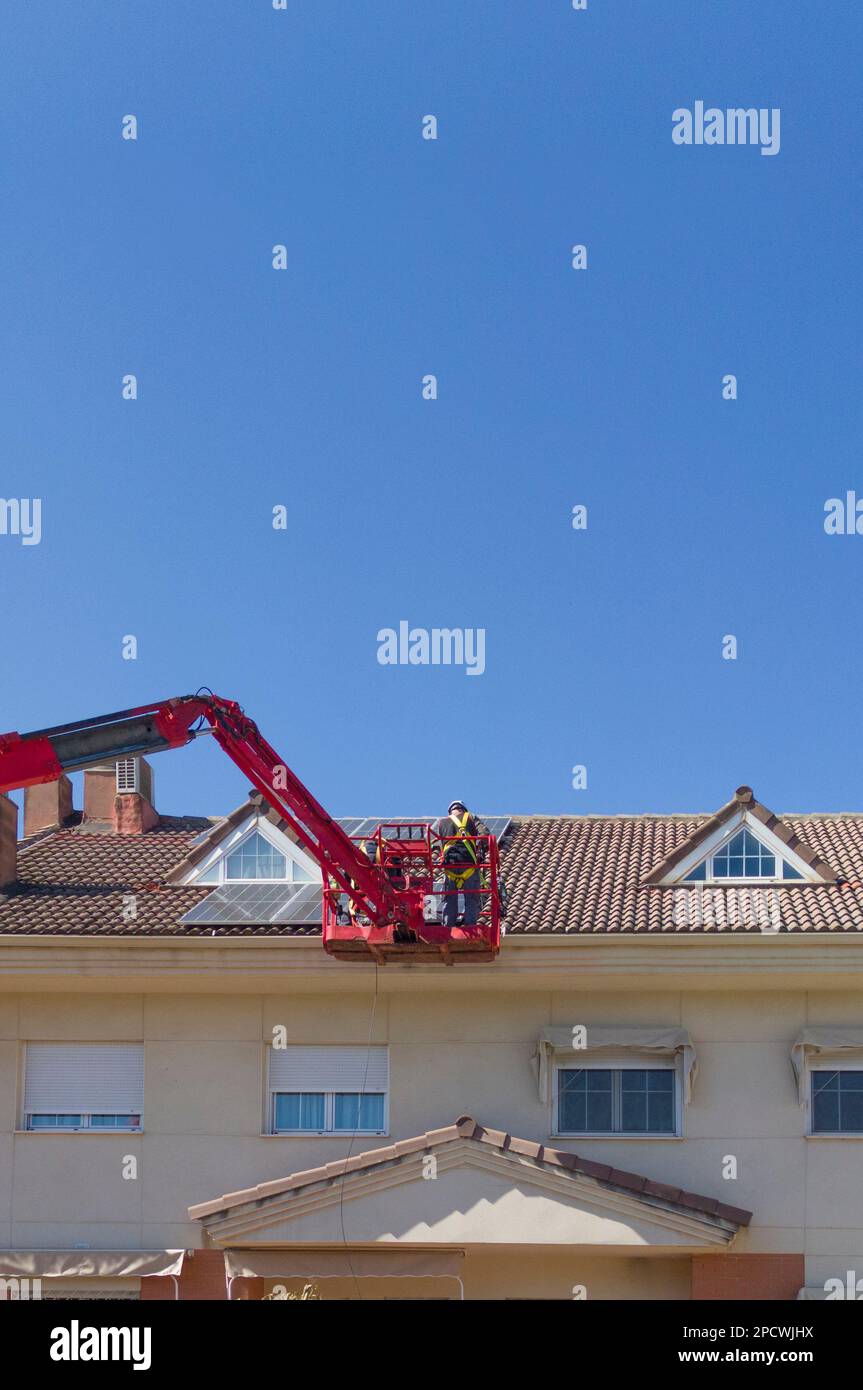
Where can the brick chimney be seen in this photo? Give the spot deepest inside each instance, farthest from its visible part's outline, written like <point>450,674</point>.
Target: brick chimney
<point>8,840</point>
<point>120,796</point>
<point>47,805</point>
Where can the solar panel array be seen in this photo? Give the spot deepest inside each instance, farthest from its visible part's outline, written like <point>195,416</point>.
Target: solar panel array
<point>367,825</point>
<point>258,905</point>
<point>292,904</point>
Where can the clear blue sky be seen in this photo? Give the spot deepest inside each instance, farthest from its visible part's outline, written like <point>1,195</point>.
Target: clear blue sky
<point>556,387</point>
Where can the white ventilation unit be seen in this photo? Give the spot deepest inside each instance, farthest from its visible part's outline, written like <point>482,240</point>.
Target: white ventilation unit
<point>134,775</point>
<point>128,775</point>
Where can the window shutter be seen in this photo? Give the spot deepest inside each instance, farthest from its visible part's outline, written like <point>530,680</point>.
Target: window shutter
<point>91,1078</point>
<point>329,1069</point>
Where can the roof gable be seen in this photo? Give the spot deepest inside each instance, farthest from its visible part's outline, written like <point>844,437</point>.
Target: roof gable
<point>538,1194</point>
<point>743,810</point>
<point>209,862</point>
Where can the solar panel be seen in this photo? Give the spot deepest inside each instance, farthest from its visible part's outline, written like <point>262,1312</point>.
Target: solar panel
<point>367,825</point>
<point>257,905</point>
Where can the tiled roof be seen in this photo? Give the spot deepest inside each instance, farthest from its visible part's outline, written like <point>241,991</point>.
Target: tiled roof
<point>564,875</point>
<point>588,876</point>
<point>614,1179</point>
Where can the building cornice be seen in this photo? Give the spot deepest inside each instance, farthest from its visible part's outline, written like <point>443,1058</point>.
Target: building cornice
<point>825,960</point>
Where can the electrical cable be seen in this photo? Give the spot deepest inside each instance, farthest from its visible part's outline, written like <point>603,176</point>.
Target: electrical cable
<point>354,1136</point>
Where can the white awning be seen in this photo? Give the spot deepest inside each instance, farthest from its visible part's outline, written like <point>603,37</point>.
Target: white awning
<point>653,1042</point>
<point>89,1264</point>
<point>811,1041</point>
<point>343,1264</point>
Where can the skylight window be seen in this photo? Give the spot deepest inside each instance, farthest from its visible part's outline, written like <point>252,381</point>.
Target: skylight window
<point>742,857</point>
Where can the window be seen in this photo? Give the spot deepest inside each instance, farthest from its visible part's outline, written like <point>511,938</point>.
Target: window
<point>256,858</point>
<point>742,857</point>
<point>83,1086</point>
<point>837,1101</point>
<point>328,1090</point>
<point>620,1100</point>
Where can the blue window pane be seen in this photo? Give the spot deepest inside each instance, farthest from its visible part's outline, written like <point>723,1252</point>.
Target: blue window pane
<point>825,1112</point>
<point>353,1111</point>
<point>661,1081</point>
<point>851,1102</point>
<point>825,1081</point>
<point>56,1121</point>
<point>115,1121</point>
<point>585,1101</point>
<point>300,1111</point>
<point>788,870</point>
<point>744,857</point>
<point>837,1102</point>
<point>851,1111</point>
<point>633,1110</point>
<point>698,873</point>
<point>647,1102</point>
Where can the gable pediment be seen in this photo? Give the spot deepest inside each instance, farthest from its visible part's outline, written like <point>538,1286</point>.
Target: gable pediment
<point>743,842</point>
<point>473,1186</point>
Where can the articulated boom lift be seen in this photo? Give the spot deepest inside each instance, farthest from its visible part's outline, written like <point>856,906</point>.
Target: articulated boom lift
<point>379,893</point>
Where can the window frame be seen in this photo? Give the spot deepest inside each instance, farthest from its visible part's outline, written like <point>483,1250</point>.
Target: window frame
<point>329,1114</point>
<point>616,1065</point>
<point>811,1069</point>
<point>86,1126</point>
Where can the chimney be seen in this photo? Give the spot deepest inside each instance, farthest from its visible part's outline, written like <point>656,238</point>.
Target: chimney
<point>8,840</point>
<point>120,796</point>
<point>47,805</point>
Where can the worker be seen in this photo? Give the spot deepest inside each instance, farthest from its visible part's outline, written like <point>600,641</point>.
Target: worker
<point>461,856</point>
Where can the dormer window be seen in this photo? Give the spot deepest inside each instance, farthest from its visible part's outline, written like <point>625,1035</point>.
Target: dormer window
<point>256,853</point>
<point>742,858</point>
<point>255,859</point>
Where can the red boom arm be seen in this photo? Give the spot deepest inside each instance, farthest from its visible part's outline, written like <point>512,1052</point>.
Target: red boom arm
<point>43,756</point>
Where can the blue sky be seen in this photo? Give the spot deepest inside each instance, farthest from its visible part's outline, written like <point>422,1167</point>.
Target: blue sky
<point>556,387</point>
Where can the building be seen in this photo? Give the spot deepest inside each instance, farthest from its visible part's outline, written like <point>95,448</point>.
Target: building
<point>655,1092</point>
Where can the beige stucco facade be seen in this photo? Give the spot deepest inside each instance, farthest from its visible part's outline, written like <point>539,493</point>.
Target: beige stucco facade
<point>461,1041</point>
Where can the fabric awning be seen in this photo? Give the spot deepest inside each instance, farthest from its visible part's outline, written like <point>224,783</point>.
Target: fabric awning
<point>555,1041</point>
<point>89,1264</point>
<point>811,1041</point>
<point>342,1264</point>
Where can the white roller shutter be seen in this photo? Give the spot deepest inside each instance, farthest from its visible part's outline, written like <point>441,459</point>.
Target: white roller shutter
<point>327,1068</point>
<point>87,1078</point>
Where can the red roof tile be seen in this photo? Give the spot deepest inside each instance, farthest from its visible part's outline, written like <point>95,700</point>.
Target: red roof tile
<point>466,1127</point>
<point>565,875</point>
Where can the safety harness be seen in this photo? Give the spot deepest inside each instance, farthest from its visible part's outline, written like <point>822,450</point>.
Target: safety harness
<point>460,876</point>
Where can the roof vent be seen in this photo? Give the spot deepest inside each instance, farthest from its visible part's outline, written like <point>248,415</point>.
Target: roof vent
<point>134,775</point>
<point>128,775</point>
